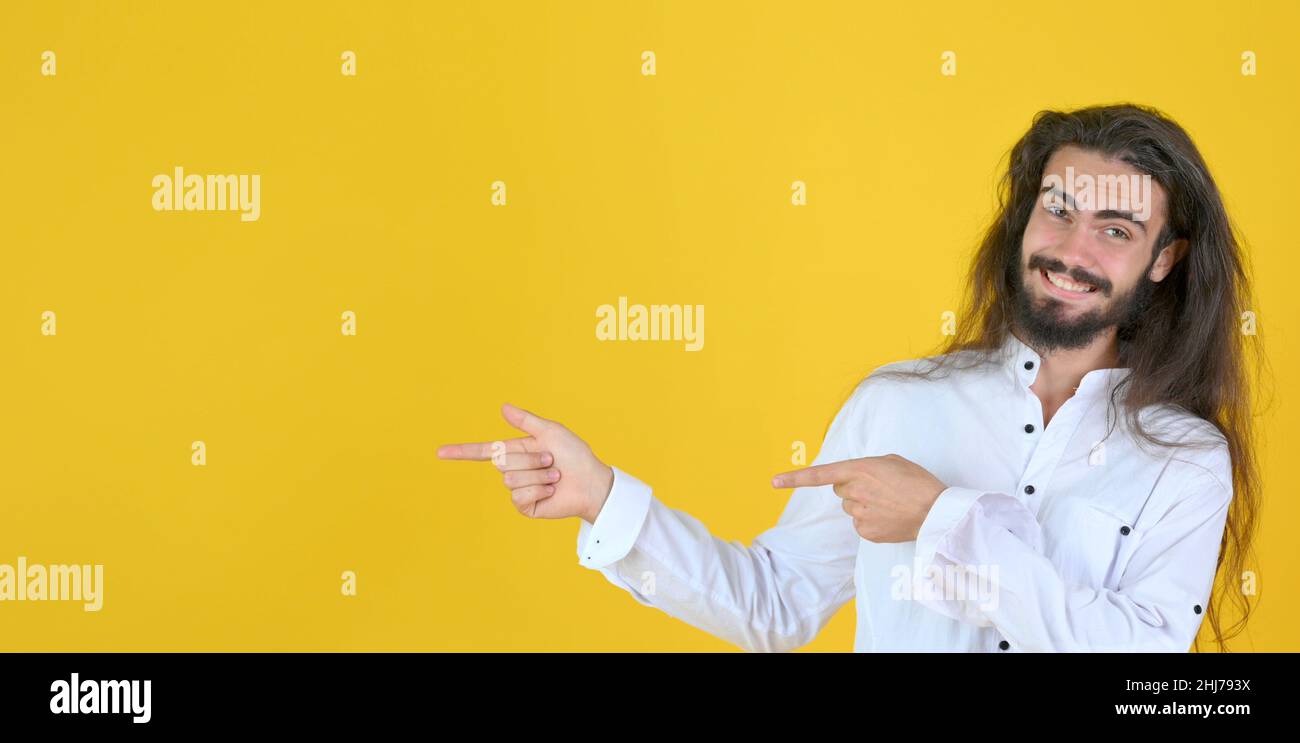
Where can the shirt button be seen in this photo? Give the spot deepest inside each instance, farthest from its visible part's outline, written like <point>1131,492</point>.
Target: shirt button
<point>1029,428</point>
<point>1029,365</point>
<point>1197,608</point>
<point>1124,530</point>
<point>1004,645</point>
<point>1029,490</point>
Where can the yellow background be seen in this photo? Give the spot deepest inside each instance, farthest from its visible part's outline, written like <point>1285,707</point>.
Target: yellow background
<point>175,327</point>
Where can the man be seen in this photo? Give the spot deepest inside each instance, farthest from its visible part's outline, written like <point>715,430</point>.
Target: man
<point>1068,475</point>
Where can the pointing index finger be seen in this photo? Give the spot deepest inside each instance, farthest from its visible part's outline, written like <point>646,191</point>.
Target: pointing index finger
<point>818,474</point>
<point>479,451</point>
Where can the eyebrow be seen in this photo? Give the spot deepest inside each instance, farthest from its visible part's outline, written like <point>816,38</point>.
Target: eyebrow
<point>1067,198</point>
<point>1126,216</point>
<point>1103,214</point>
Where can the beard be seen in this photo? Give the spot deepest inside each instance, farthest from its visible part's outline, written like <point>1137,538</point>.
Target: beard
<point>1042,321</point>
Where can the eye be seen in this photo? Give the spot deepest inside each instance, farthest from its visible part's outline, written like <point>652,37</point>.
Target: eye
<point>1117,232</point>
<point>1055,210</point>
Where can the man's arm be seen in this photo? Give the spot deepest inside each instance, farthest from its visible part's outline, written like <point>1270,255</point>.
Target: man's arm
<point>1160,598</point>
<point>773,595</point>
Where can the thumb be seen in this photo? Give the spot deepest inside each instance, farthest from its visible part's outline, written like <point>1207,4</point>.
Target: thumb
<point>523,420</point>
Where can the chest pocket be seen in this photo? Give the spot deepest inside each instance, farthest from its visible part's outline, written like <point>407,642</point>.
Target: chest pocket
<point>1094,546</point>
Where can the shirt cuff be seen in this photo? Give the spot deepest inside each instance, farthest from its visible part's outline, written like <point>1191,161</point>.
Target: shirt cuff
<point>617,525</point>
<point>957,532</point>
<point>949,508</point>
<point>939,532</point>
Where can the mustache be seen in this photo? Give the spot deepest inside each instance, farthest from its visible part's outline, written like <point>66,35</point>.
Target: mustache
<point>1079,275</point>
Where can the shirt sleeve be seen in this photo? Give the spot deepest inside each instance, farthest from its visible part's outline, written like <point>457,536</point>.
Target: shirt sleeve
<point>772,596</point>
<point>972,538</point>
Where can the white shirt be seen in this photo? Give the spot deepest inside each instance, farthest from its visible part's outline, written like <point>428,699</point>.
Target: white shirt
<point>1045,539</point>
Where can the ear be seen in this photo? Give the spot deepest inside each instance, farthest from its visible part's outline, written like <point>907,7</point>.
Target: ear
<point>1168,258</point>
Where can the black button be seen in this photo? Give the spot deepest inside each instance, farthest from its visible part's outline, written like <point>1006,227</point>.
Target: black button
<point>1004,645</point>
<point>1029,428</point>
<point>1029,365</point>
<point>1029,490</point>
<point>1124,530</point>
<point>1197,608</point>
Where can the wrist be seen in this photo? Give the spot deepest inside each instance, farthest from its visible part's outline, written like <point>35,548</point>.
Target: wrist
<point>600,492</point>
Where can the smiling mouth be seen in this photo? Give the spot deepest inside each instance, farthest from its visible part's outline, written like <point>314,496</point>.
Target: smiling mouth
<point>1065,284</point>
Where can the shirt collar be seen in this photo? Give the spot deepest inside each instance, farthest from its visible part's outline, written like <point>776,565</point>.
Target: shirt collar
<point>1022,364</point>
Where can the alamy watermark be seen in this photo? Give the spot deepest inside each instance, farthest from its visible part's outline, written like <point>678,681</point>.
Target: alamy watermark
<point>1119,193</point>
<point>36,582</point>
<point>197,193</point>
<point>658,322</point>
<point>977,583</point>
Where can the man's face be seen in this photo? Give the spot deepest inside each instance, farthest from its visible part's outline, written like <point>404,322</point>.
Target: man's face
<point>1086,258</point>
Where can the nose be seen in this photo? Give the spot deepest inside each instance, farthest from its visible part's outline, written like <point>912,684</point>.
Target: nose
<point>1077,249</point>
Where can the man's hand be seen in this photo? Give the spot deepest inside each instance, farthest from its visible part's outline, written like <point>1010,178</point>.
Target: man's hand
<point>551,473</point>
<point>888,497</point>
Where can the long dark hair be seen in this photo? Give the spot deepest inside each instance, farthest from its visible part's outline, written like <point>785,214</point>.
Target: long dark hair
<point>1186,350</point>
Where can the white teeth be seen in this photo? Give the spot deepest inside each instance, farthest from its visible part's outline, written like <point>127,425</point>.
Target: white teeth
<point>1068,285</point>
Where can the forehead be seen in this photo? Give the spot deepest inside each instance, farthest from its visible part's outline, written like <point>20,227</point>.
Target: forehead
<point>1092,163</point>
